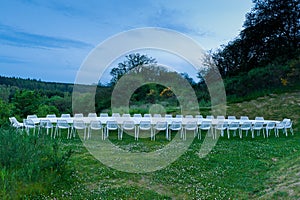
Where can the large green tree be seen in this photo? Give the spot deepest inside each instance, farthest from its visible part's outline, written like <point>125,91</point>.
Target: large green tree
<point>132,61</point>
<point>271,33</point>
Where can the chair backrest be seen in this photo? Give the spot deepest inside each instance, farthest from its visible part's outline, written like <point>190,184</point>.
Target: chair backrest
<point>259,118</point>
<point>78,115</point>
<point>222,124</point>
<point>270,125</point>
<point>103,114</point>
<point>191,125</point>
<point>111,125</point>
<point>127,115</point>
<point>209,117</point>
<point>78,124</point>
<point>161,125</point>
<point>32,116</point>
<point>28,122</point>
<point>231,117</point>
<point>234,125</point>
<point>116,115</point>
<point>258,125</point>
<point>244,118</point>
<point>95,124</point>
<point>199,116</point>
<point>62,123</point>
<point>168,116</point>
<point>138,115</point>
<point>147,115</point>
<point>14,121</point>
<point>288,123</point>
<point>179,116</point>
<point>51,116</point>
<point>189,116</point>
<point>246,124</point>
<point>92,115</point>
<point>45,123</point>
<point>65,116</point>
<point>145,124</point>
<point>128,124</point>
<point>205,124</point>
<point>175,125</point>
<point>157,115</point>
<point>220,117</point>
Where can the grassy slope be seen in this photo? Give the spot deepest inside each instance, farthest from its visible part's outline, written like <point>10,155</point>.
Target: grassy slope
<point>243,169</point>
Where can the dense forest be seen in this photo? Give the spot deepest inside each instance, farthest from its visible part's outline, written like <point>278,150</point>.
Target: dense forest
<point>264,58</point>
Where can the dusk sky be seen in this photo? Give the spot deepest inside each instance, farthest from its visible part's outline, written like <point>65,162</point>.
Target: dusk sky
<point>49,39</point>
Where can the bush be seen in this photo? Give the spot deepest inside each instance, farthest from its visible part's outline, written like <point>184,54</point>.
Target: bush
<point>30,165</point>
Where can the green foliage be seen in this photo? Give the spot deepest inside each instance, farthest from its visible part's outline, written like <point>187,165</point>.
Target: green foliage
<point>30,164</point>
<point>132,61</point>
<point>271,32</point>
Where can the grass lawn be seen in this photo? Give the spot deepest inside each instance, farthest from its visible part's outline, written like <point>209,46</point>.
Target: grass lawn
<point>235,169</point>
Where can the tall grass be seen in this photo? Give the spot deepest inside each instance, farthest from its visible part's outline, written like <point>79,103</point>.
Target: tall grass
<point>30,164</point>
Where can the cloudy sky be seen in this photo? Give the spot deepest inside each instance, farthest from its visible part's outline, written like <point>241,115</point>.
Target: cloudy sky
<point>50,39</point>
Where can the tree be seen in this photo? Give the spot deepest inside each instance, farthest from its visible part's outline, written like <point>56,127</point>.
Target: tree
<point>132,61</point>
<point>271,33</point>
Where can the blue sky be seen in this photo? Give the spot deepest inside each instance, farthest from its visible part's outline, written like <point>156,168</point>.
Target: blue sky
<point>49,39</point>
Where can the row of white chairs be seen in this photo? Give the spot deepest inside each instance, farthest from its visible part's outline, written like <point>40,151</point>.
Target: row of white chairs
<point>146,125</point>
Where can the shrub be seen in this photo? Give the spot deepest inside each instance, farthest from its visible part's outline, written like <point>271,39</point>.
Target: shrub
<point>30,165</point>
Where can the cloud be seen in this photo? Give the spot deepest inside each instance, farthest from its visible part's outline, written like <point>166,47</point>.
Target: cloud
<point>11,60</point>
<point>14,37</point>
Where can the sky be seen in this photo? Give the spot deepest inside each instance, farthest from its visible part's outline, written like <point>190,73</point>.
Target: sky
<point>49,40</point>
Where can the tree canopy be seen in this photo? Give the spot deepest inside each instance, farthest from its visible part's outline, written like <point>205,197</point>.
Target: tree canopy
<point>271,33</point>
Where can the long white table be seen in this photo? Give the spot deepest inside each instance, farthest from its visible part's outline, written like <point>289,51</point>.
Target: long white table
<point>153,120</point>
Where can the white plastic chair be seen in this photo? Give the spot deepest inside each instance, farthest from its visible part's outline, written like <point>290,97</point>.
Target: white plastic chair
<point>15,123</point>
<point>174,126</point>
<point>144,126</point>
<point>112,125</point>
<point>46,124</point>
<point>288,125</point>
<point>246,126</point>
<point>270,126</point>
<point>128,126</point>
<point>280,126</point>
<point>221,126</point>
<point>233,126</point>
<point>257,126</point>
<point>95,125</point>
<point>178,116</point>
<point>160,126</point>
<point>29,124</point>
<point>79,125</point>
<point>205,126</point>
<point>61,124</point>
<point>190,126</point>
